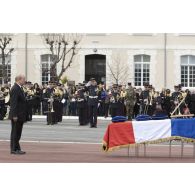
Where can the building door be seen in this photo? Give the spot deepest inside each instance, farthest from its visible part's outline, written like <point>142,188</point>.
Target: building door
<point>95,66</point>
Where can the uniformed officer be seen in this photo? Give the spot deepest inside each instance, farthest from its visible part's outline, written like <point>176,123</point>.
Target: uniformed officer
<point>122,108</point>
<point>175,98</point>
<point>136,109</point>
<point>130,100</point>
<point>81,104</point>
<point>37,99</point>
<point>101,108</point>
<point>167,102</point>
<point>192,102</point>
<point>93,101</point>
<point>29,93</point>
<point>57,104</point>
<point>2,103</point>
<point>114,101</point>
<point>144,99</point>
<point>49,99</point>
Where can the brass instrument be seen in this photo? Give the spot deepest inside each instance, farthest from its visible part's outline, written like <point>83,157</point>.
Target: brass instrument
<point>30,92</point>
<point>149,101</point>
<point>4,95</point>
<point>123,94</point>
<point>51,100</point>
<point>112,98</point>
<point>58,92</point>
<point>182,100</point>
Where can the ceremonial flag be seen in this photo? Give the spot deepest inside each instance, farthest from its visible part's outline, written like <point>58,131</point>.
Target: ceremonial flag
<point>123,134</point>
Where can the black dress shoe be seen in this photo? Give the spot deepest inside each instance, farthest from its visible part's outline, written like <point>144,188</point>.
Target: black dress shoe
<point>18,152</point>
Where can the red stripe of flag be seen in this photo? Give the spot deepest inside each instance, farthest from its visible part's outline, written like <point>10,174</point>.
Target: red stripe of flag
<point>118,134</point>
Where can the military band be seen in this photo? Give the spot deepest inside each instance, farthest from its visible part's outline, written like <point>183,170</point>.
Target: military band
<point>88,100</point>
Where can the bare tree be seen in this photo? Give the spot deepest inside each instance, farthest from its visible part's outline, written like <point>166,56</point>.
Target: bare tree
<point>63,48</point>
<point>118,69</point>
<point>5,52</point>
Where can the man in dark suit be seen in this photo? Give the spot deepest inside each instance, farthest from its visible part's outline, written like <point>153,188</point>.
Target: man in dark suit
<point>17,114</point>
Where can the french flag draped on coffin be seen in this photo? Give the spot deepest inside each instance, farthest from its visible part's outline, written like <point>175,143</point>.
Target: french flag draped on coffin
<point>124,134</point>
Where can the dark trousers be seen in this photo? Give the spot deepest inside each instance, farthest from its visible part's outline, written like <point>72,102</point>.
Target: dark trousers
<point>51,118</point>
<point>93,114</point>
<point>2,111</point>
<point>106,110</point>
<point>60,111</point>
<point>82,116</point>
<point>101,109</point>
<point>16,133</point>
<point>29,113</point>
<point>37,106</point>
<point>72,109</point>
<point>114,112</point>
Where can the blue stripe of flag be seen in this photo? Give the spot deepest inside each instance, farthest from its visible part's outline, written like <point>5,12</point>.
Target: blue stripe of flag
<point>183,127</point>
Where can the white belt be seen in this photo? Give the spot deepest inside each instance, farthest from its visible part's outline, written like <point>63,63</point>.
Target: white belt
<point>93,96</point>
<point>80,100</point>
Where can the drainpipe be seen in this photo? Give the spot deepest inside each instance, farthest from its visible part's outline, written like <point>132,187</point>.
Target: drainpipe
<point>26,56</point>
<point>165,60</point>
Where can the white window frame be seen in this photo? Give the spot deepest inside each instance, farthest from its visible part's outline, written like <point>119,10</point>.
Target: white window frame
<point>49,62</point>
<point>142,64</point>
<point>188,70</point>
<point>8,64</point>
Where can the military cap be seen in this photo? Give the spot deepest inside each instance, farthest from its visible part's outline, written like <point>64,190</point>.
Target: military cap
<point>146,84</point>
<point>92,79</point>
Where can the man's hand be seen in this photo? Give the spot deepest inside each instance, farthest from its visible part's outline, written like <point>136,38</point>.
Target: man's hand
<point>15,119</point>
<point>88,84</point>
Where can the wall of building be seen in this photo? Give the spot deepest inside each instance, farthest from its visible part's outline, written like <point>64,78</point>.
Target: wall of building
<point>125,45</point>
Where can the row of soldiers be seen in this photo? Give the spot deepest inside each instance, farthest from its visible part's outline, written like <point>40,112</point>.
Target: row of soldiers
<point>89,100</point>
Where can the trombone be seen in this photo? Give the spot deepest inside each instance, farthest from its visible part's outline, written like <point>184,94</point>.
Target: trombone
<point>178,108</point>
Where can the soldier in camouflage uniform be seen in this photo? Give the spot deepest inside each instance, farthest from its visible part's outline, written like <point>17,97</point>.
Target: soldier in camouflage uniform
<point>130,100</point>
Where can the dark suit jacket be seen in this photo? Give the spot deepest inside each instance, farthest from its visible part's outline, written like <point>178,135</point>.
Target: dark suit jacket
<point>17,103</point>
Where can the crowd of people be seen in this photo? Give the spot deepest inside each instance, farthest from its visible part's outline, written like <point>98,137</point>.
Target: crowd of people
<point>89,100</point>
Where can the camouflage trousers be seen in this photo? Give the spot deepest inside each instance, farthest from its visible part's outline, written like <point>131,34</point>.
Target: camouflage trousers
<point>129,111</point>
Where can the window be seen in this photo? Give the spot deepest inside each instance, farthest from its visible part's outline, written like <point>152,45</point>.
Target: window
<point>7,71</point>
<point>188,71</point>
<point>141,69</point>
<point>46,63</point>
